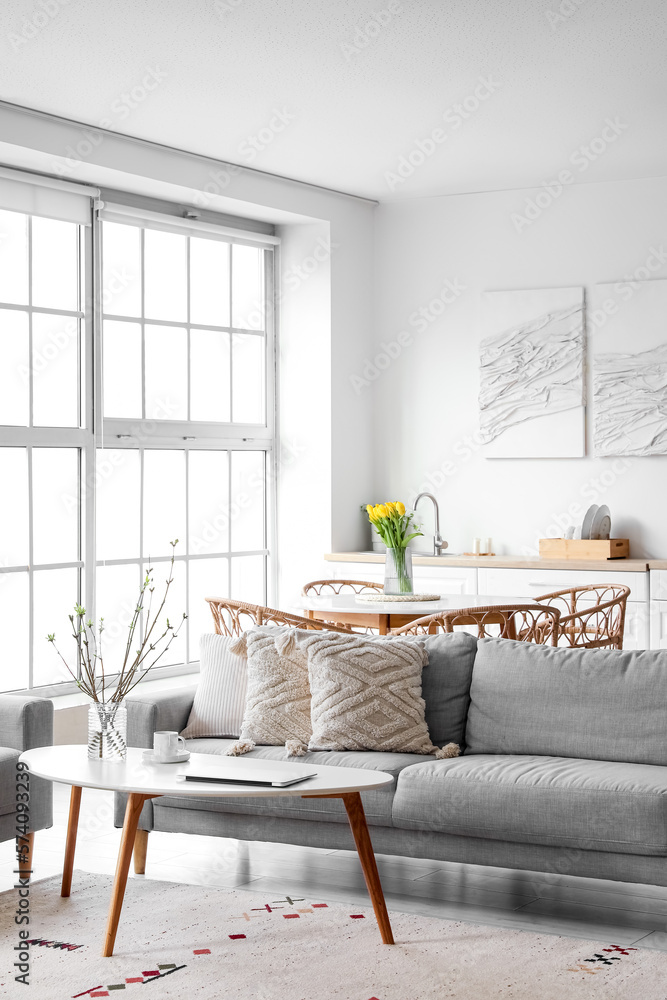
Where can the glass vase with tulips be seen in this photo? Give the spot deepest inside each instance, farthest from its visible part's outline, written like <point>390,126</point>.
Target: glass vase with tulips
<point>393,526</point>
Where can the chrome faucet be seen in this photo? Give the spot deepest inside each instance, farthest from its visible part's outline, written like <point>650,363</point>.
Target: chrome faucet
<point>438,543</point>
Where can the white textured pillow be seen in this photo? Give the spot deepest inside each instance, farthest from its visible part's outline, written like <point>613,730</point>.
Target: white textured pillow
<point>220,698</point>
<point>277,706</point>
<point>366,693</point>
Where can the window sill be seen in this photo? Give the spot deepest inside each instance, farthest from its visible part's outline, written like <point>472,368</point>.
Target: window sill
<point>176,680</point>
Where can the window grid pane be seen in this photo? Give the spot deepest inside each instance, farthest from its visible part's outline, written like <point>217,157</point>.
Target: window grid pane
<point>155,289</point>
<point>220,505</point>
<point>41,385</point>
<point>198,298</point>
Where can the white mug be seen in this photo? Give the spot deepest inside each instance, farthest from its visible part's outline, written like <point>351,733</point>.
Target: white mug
<point>167,744</point>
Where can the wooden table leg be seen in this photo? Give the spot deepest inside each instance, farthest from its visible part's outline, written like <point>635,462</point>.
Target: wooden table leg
<point>70,843</point>
<point>357,818</point>
<point>135,803</point>
<point>140,849</point>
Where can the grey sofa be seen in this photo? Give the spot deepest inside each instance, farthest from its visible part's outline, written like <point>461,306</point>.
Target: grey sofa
<point>25,722</point>
<point>564,767</point>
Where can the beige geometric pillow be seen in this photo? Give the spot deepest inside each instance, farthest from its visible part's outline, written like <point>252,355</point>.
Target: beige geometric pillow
<point>366,693</point>
<point>277,708</point>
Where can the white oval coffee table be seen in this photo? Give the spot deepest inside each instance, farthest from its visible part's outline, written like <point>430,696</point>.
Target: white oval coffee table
<point>70,765</point>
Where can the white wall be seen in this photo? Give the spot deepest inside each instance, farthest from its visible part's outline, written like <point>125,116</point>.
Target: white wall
<point>426,399</point>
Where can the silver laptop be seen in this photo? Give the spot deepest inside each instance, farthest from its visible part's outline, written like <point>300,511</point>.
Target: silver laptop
<point>266,774</point>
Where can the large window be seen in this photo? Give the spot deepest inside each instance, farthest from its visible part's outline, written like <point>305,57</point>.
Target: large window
<point>131,415</point>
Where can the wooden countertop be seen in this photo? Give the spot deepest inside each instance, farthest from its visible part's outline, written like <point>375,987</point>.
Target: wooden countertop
<point>508,562</point>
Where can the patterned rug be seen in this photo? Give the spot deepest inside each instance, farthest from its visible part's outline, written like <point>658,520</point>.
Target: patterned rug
<point>198,943</point>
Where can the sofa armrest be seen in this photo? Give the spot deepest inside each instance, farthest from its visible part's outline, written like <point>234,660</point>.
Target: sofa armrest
<point>26,721</point>
<point>162,710</point>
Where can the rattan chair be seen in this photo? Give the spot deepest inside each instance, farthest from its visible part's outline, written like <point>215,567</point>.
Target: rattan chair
<point>586,624</point>
<point>318,587</point>
<point>524,622</point>
<point>234,617</point>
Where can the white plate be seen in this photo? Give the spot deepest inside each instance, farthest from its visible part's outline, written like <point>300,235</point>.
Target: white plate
<point>588,521</point>
<point>601,526</point>
<point>152,758</point>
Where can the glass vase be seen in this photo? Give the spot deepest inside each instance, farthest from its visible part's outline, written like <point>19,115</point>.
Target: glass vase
<point>398,571</point>
<point>107,731</point>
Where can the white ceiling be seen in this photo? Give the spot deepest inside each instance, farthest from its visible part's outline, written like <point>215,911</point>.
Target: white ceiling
<point>230,64</point>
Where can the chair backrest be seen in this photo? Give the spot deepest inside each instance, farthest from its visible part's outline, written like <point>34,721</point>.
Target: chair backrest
<point>233,617</point>
<point>524,622</point>
<point>317,587</point>
<point>591,616</point>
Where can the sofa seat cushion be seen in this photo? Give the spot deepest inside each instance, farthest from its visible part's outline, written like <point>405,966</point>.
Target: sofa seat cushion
<point>8,783</point>
<point>558,801</point>
<point>377,802</point>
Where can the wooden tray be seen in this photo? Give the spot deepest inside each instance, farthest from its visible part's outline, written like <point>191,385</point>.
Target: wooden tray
<point>584,548</point>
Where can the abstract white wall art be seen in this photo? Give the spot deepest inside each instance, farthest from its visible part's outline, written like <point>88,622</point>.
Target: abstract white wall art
<point>628,338</point>
<point>531,397</point>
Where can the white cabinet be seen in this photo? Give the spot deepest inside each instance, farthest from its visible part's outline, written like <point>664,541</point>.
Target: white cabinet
<point>637,632</point>
<point>658,622</point>
<point>445,579</point>
<point>534,582</point>
<point>427,579</point>
<point>659,584</point>
<point>373,571</point>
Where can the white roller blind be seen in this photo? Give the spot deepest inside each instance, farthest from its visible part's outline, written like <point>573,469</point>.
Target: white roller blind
<point>134,216</point>
<point>46,196</point>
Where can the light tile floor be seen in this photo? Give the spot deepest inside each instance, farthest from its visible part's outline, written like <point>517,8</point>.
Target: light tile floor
<point>551,904</point>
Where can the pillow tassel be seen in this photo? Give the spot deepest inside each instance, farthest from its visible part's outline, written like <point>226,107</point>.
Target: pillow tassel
<point>295,748</point>
<point>450,750</point>
<point>285,641</point>
<point>239,748</point>
<point>239,646</point>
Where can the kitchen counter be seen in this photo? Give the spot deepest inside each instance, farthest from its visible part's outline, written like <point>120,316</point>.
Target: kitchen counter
<point>507,562</point>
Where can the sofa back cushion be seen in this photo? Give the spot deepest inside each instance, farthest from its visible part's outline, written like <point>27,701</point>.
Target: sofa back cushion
<point>598,704</point>
<point>446,684</point>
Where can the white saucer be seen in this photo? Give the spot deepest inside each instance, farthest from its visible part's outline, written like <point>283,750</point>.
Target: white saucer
<point>152,758</point>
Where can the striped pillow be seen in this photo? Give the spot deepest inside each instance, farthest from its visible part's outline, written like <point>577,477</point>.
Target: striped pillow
<point>220,698</point>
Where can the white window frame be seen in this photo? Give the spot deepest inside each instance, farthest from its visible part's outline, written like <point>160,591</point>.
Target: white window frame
<point>96,432</point>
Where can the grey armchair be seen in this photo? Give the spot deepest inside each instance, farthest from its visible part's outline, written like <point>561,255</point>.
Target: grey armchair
<point>25,722</point>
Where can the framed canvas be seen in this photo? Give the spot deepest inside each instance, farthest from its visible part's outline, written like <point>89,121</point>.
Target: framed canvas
<point>532,397</point>
<point>628,346</point>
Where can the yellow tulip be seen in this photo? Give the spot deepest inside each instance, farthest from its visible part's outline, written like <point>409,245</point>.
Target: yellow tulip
<point>369,509</point>
<point>400,507</point>
<point>382,510</point>
<point>391,506</point>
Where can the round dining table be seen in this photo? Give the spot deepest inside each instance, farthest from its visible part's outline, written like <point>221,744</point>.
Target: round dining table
<point>354,610</point>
